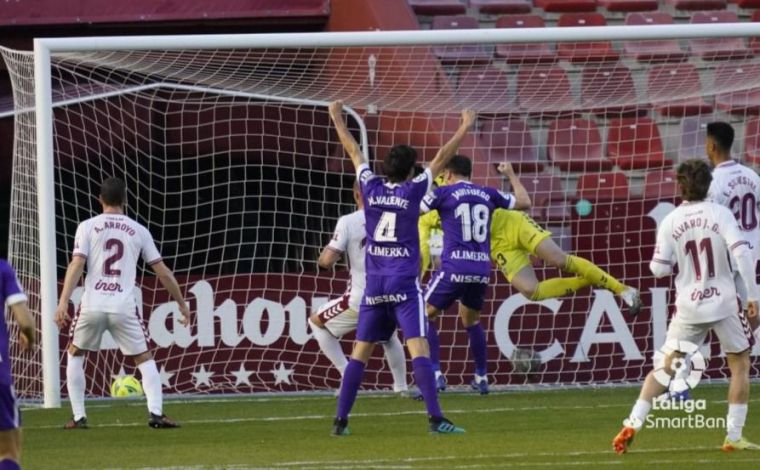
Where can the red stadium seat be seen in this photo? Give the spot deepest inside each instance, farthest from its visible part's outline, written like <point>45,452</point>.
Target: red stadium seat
<point>652,51</point>
<point>585,51</point>
<point>438,7</point>
<point>635,143</point>
<point>603,186</point>
<point>660,184</point>
<point>501,7</point>
<point>461,54</point>
<point>754,42</point>
<point>510,141</point>
<point>487,85</point>
<point>696,5</point>
<point>752,141</point>
<point>666,81</point>
<point>718,48</point>
<point>608,90</point>
<point>630,5</point>
<point>575,145</point>
<point>544,91</point>
<point>524,53</point>
<point>741,77</point>
<point>548,198</point>
<point>554,6</point>
<point>693,131</point>
<point>746,3</point>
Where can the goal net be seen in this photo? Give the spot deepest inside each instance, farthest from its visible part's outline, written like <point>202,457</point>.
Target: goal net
<point>231,162</point>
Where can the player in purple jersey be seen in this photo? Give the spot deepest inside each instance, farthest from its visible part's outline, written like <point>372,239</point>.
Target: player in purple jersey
<point>393,296</point>
<point>465,210</point>
<point>13,297</point>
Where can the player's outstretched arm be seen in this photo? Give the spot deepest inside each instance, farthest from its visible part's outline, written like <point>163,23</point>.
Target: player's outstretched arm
<point>27,331</point>
<point>169,282</point>
<point>450,148</point>
<point>348,141</point>
<point>73,275</point>
<point>522,198</point>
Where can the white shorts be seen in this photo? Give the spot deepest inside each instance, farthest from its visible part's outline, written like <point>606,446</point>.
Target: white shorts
<point>338,317</point>
<point>127,330</point>
<point>733,332</point>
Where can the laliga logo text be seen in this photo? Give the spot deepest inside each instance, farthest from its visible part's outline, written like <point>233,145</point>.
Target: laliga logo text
<point>686,368</point>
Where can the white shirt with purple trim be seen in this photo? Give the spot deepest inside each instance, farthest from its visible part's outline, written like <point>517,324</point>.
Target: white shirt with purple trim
<point>738,188</point>
<point>697,236</point>
<point>112,244</point>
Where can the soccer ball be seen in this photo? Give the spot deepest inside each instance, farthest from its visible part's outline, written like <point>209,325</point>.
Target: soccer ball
<point>126,386</point>
<point>525,361</point>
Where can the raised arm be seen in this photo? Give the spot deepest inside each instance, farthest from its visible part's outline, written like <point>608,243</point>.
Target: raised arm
<point>348,141</point>
<point>73,275</point>
<point>169,282</point>
<point>450,148</point>
<point>522,198</point>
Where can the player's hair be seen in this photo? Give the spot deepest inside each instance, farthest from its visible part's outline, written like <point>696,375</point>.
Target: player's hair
<point>722,133</point>
<point>113,192</point>
<point>418,169</point>
<point>460,165</point>
<point>399,162</point>
<point>694,178</point>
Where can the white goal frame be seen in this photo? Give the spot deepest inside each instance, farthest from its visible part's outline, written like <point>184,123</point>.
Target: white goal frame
<point>44,105</point>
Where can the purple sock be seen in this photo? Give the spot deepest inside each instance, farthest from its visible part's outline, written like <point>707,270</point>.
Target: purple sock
<point>349,387</point>
<point>478,348</point>
<point>435,346</point>
<point>8,464</point>
<point>425,379</point>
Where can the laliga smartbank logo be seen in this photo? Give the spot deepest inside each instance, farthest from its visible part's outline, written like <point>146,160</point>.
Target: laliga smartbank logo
<point>687,367</point>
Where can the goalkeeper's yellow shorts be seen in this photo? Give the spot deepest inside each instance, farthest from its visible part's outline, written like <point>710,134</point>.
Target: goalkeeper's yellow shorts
<point>514,237</point>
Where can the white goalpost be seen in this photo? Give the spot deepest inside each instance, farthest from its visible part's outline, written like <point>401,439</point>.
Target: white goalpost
<point>226,147</point>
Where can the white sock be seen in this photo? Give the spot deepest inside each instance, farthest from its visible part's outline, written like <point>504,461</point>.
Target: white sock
<point>481,378</point>
<point>75,383</point>
<point>151,383</point>
<point>394,355</point>
<point>438,373</point>
<point>330,345</point>
<point>737,414</point>
<point>639,413</point>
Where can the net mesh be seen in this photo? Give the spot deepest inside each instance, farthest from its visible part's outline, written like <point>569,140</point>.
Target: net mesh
<point>232,164</point>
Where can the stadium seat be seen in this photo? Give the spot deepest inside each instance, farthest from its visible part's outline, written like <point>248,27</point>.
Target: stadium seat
<point>754,42</point>
<point>524,53</point>
<point>459,54</point>
<point>635,143</point>
<point>558,6</point>
<point>608,90</point>
<point>585,51</point>
<point>488,86</point>
<point>438,7</point>
<point>718,48</point>
<point>697,5</point>
<point>746,3</point>
<point>752,141</point>
<point>692,133</point>
<point>655,50</point>
<point>544,90</point>
<point>741,77</point>
<point>575,145</point>
<point>501,7</point>
<point>629,5</point>
<point>510,141</point>
<point>666,81</point>
<point>603,186</point>
<point>549,202</point>
<point>660,184</point>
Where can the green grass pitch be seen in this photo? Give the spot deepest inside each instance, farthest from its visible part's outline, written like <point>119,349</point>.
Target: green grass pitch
<point>532,429</point>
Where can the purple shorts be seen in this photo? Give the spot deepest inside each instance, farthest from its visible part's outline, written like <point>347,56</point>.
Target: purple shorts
<point>10,417</point>
<point>444,288</point>
<point>389,302</point>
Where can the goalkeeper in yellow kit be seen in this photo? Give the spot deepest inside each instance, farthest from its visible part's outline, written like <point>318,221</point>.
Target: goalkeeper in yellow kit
<point>514,238</point>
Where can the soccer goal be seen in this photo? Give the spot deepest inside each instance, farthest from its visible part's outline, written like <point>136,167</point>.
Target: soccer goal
<point>231,162</point>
